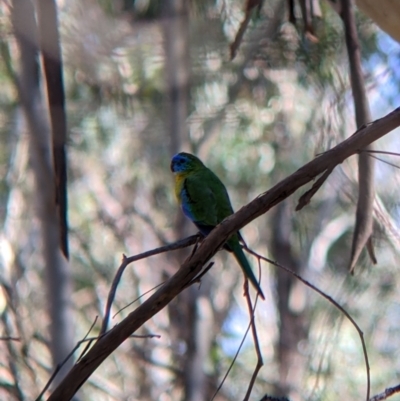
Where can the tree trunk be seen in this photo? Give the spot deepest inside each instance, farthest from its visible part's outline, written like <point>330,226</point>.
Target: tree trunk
<point>57,274</point>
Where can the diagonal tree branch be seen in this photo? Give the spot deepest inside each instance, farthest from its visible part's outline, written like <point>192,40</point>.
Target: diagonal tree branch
<point>194,264</point>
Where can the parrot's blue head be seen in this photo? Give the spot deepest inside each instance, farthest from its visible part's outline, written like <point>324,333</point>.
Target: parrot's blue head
<point>185,162</point>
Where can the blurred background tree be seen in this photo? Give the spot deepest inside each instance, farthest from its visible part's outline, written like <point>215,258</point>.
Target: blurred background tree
<point>143,80</point>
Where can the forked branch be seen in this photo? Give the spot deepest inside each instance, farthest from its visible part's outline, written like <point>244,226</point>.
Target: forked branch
<point>207,249</point>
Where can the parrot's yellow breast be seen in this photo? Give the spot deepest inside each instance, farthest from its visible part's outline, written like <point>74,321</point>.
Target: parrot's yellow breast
<point>179,182</point>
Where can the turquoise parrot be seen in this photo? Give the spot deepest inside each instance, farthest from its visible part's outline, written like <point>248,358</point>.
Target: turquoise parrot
<point>205,201</point>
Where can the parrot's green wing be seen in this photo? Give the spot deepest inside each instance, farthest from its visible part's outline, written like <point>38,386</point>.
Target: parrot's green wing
<point>223,203</point>
<point>205,198</point>
<point>199,201</point>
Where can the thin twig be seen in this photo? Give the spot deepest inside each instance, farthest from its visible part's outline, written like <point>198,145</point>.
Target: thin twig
<point>10,339</point>
<point>88,340</point>
<point>127,260</point>
<point>383,152</point>
<point>246,291</point>
<point>183,243</point>
<point>386,394</point>
<point>384,161</point>
<point>239,35</point>
<point>332,301</point>
<point>232,363</point>
<point>306,197</point>
<point>260,362</point>
<point>137,299</point>
<point>145,336</point>
<point>271,398</point>
<point>250,5</point>
<point>12,358</point>
<point>196,245</point>
<point>59,366</point>
<point>197,279</point>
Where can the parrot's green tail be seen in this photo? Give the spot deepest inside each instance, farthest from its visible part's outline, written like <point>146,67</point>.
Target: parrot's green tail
<point>245,265</point>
